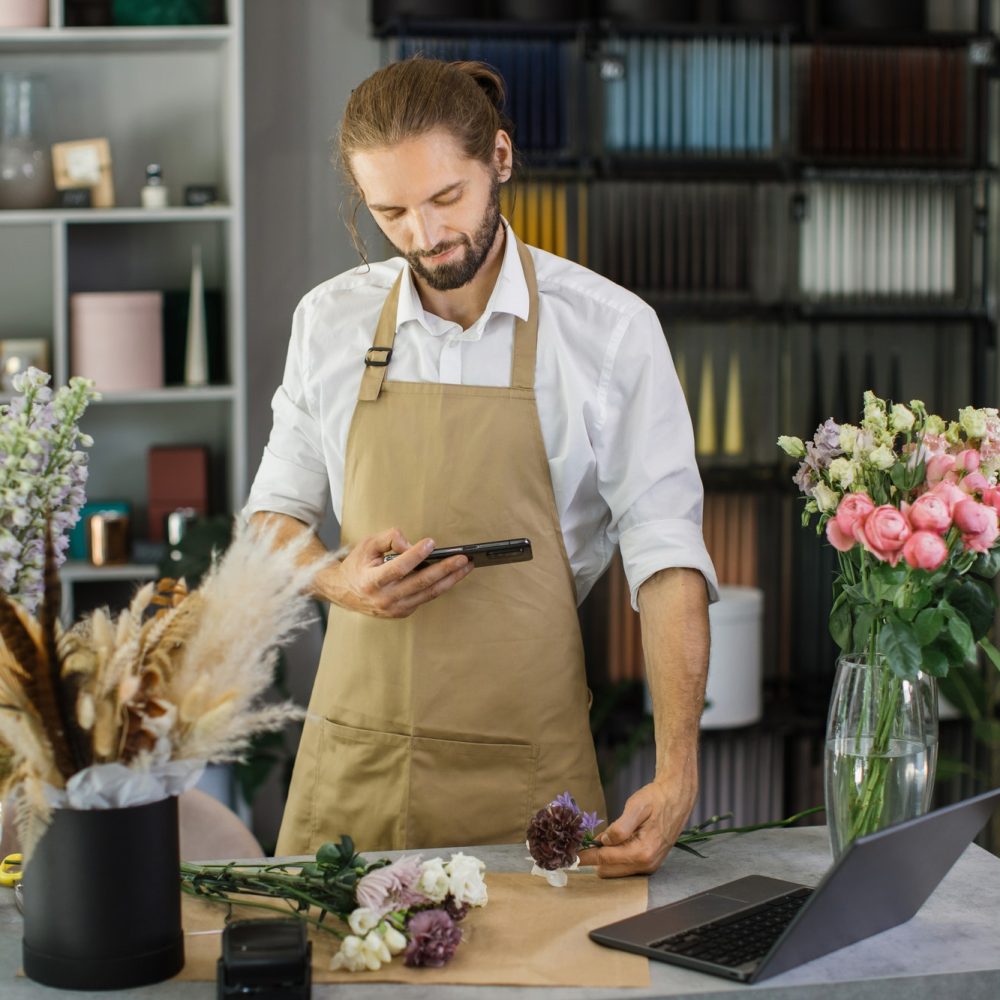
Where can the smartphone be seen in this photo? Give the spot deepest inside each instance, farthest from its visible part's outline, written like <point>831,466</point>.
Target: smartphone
<point>480,553</point>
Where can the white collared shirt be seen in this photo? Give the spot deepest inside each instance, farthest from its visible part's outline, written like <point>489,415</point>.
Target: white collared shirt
<point>614,420</point>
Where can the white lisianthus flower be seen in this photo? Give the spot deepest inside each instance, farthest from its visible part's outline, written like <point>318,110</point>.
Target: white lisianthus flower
<point>375,951</point>
<point>934,425</point>
<point>842,471</point>
<point>972,421</point>
<point>874,413</point>
<point>826,499</point>
<point>433,882</point>
<point>954,432</point>
<point>465,879</point>
<point>362,920</point>
<point>792,446</point>
<point>883,457</point>
<point>395,940</point>
<point>848,438</point>
<point>902,419</point>
<point>350,956</point>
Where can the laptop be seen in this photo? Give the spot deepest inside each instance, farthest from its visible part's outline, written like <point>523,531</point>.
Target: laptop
<point>757,927</point>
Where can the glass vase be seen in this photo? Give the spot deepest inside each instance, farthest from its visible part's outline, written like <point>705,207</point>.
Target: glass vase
<point>877,764</point>
<point>25,164</point>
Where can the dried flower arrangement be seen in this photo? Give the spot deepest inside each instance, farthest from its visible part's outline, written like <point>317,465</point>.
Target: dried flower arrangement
<point>118,711</point>
<point>383,909</point>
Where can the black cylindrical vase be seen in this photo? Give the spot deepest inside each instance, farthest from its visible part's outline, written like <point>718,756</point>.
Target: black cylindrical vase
<point>102,906</point>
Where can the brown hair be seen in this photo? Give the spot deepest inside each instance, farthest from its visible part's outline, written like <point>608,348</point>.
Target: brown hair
<point>410,98</point>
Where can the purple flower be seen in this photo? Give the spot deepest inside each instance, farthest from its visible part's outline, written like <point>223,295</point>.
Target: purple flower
<point>827,441</point>
<point>566,800</point>
<point>393,887</point>
<point>454,909</point>
<point>591,823</point>
<point>433,938</point>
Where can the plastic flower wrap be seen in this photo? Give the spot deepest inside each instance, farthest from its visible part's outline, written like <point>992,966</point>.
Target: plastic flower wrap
<point>43,471</point>
<point>407,907</point>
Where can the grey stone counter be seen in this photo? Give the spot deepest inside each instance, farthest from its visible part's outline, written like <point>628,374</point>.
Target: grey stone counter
<point>951,948</point>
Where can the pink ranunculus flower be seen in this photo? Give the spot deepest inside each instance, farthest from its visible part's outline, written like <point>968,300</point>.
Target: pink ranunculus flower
<point>884,533</point>
<point>837,538</point>
<point>974,482</point>
<point>951,494</point>
<point>925,550</point>
<point>854,507</point>
<point>978,524</point>
<point>939,468</point>
<point>991,496</point>
<point>930,512</point>
<point>967,460</point>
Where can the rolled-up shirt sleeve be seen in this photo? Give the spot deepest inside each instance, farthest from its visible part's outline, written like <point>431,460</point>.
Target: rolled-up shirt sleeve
<point>292,478</point>
<point>647,471</point>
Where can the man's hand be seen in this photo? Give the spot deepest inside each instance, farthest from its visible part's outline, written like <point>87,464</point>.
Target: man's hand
<point>638,841</point>
<point>363,582</point>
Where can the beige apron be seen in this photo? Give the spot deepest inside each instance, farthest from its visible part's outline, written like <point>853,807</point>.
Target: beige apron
<point>453,726</point>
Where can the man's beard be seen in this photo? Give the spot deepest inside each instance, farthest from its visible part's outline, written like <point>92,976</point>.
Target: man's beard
<point>454,274</point>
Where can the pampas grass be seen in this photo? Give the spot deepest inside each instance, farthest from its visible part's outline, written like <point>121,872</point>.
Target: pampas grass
<point>177,676</point>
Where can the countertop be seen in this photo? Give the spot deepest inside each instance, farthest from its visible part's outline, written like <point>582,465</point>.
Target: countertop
<point>951,948</point>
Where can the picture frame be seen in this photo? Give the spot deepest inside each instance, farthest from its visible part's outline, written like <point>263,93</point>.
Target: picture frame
<point>85,163</point>
<point>17,355</point>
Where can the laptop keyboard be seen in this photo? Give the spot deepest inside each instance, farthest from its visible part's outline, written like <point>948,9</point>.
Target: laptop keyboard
<point>746,937</point>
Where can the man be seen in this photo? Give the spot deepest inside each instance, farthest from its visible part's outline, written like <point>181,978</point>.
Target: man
<point>476,390</point>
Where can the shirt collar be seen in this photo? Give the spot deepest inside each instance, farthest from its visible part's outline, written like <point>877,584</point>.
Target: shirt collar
<point>509,295</point>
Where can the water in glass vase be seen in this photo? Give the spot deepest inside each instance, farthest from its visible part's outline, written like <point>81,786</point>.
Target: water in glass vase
<point>866,791</point>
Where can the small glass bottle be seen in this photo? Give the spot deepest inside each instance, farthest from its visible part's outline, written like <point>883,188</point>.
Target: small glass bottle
<point>155,194</point>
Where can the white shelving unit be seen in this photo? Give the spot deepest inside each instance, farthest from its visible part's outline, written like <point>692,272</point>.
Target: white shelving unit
<point>171,95</point>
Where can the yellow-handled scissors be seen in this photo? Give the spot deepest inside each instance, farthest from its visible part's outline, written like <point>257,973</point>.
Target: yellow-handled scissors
<point>10,869</point>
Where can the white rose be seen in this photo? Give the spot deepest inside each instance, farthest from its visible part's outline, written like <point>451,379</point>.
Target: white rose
<point>351,955</point>
<point>395,940</point>
<point>433,881</point>
<point>883,457</point>
<point>902,418</point>
<point>362,920</point>
<point>826,499</point>
<point>465,879</point>
<point>842,471</point>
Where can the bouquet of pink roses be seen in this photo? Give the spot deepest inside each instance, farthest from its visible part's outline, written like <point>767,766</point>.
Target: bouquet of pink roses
<point>910,502</point>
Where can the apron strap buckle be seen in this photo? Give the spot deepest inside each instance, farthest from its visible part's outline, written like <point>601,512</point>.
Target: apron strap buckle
<point>370,362</point>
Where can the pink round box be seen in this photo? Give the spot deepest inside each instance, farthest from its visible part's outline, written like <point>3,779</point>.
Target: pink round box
<point>117,339</point>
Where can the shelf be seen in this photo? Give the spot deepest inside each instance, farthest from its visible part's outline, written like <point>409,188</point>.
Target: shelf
<point>76,571</point>
<point>103,39</point>
<point>713,306</point>
<point>97,216</point>
<point>169,394</point>
<point>908,311</point>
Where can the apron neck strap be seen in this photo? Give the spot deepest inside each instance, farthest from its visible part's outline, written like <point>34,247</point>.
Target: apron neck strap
<point>522,374</point>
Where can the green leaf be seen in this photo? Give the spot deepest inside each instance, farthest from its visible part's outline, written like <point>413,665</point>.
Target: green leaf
<point>897,641</point>
<point>961,633</point>
<point>991,651</point>
<point>964,688</point>
<point>977,601</point>
<point>899,477</point>
<point>863,618</point>
<point>987,565</point>
<point>935,661</point>
<point>841,622</point>
<point>928,625</point>
<point>886,580</point>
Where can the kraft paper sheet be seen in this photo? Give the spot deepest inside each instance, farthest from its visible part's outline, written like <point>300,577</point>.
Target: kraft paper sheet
<point>529,934</point>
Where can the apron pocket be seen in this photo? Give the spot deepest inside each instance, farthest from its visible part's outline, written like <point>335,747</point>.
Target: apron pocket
<point>361,787</point>
<point>465,793</point>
